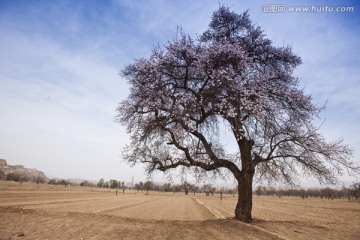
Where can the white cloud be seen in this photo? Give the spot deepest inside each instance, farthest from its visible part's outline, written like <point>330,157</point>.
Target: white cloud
<point>59,80</point>
<point>58,108</point>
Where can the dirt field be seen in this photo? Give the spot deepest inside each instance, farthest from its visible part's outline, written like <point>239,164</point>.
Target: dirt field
<point>55,212</point>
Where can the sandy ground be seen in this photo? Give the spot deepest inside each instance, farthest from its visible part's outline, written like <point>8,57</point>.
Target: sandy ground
<point>296,218</point>
<point>55,212</point>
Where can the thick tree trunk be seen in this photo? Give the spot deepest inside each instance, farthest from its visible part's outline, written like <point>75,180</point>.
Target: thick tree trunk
<point>244,205</point>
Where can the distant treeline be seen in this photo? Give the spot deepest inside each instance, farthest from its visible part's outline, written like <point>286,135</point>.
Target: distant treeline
<point>352,192</point>
<point>146,186</point>
<point>329,193</point>
<point>59,182</point>
<point>16,177</point>
<point>166,187</point>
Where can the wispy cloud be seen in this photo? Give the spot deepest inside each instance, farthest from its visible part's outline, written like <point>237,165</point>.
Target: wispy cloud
<point>60,60</point>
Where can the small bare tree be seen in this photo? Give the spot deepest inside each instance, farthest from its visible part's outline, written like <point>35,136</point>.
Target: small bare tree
<point>195,189</point>
<point>123,187</point>
<point>114,183</point>
<point>100,184</point>
<point>64,182</point>
<point>148,185</point>
<point>166,187</point>
<point>186,187</point>
<point>208,189</point>
<point>258,190</point>
<point>355,190</point>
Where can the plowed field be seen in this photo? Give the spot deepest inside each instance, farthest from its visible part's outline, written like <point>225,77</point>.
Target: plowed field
<point>57,212</point>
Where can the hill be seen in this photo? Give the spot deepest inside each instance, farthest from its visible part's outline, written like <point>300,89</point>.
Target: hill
<point>30,174</point>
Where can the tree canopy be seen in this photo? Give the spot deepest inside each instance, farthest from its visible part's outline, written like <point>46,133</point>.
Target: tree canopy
<point>233,76</point>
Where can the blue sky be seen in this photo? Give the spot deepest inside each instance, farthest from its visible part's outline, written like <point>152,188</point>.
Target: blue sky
<point>59,65</point>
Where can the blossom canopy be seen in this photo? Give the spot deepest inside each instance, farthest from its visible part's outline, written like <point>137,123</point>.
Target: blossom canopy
<point>231,75</point>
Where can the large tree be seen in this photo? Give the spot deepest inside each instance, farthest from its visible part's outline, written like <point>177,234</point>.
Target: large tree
<point>231,77</point>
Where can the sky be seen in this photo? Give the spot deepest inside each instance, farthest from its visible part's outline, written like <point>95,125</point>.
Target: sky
<point>60,64</point>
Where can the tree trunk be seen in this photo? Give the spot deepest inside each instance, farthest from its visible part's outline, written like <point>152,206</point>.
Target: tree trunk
<point>244,205</point>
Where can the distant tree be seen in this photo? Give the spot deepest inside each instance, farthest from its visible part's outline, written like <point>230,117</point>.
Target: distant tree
<point>52,181</point>
<point>327,192</point>
<point>13,177</point>
<point>195,189</point>
<point>16,177</point>
<point>232,76</point>
<point>354,190</point>
<point>291,192</point>
<point>23,178</point>
<point>176,188</point>
<point>123,187</point>
<point>186,187</point>
<point>64,182</point>
<point>137,187</point>
<point>258,190</point>
<point>213,190</point>
<point>208,189</point>
<point>166,187</point>
<point>344,192</point>
<point>114,183</point>
<point>339,193</point>
<point>141,185</point>
<point>100,184</point>
<point>86,183</point>
<point>303,193</point>
<point>312,192</point>
<point>39,180</point>
<point>156,188</point>
<point>148,185</point>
